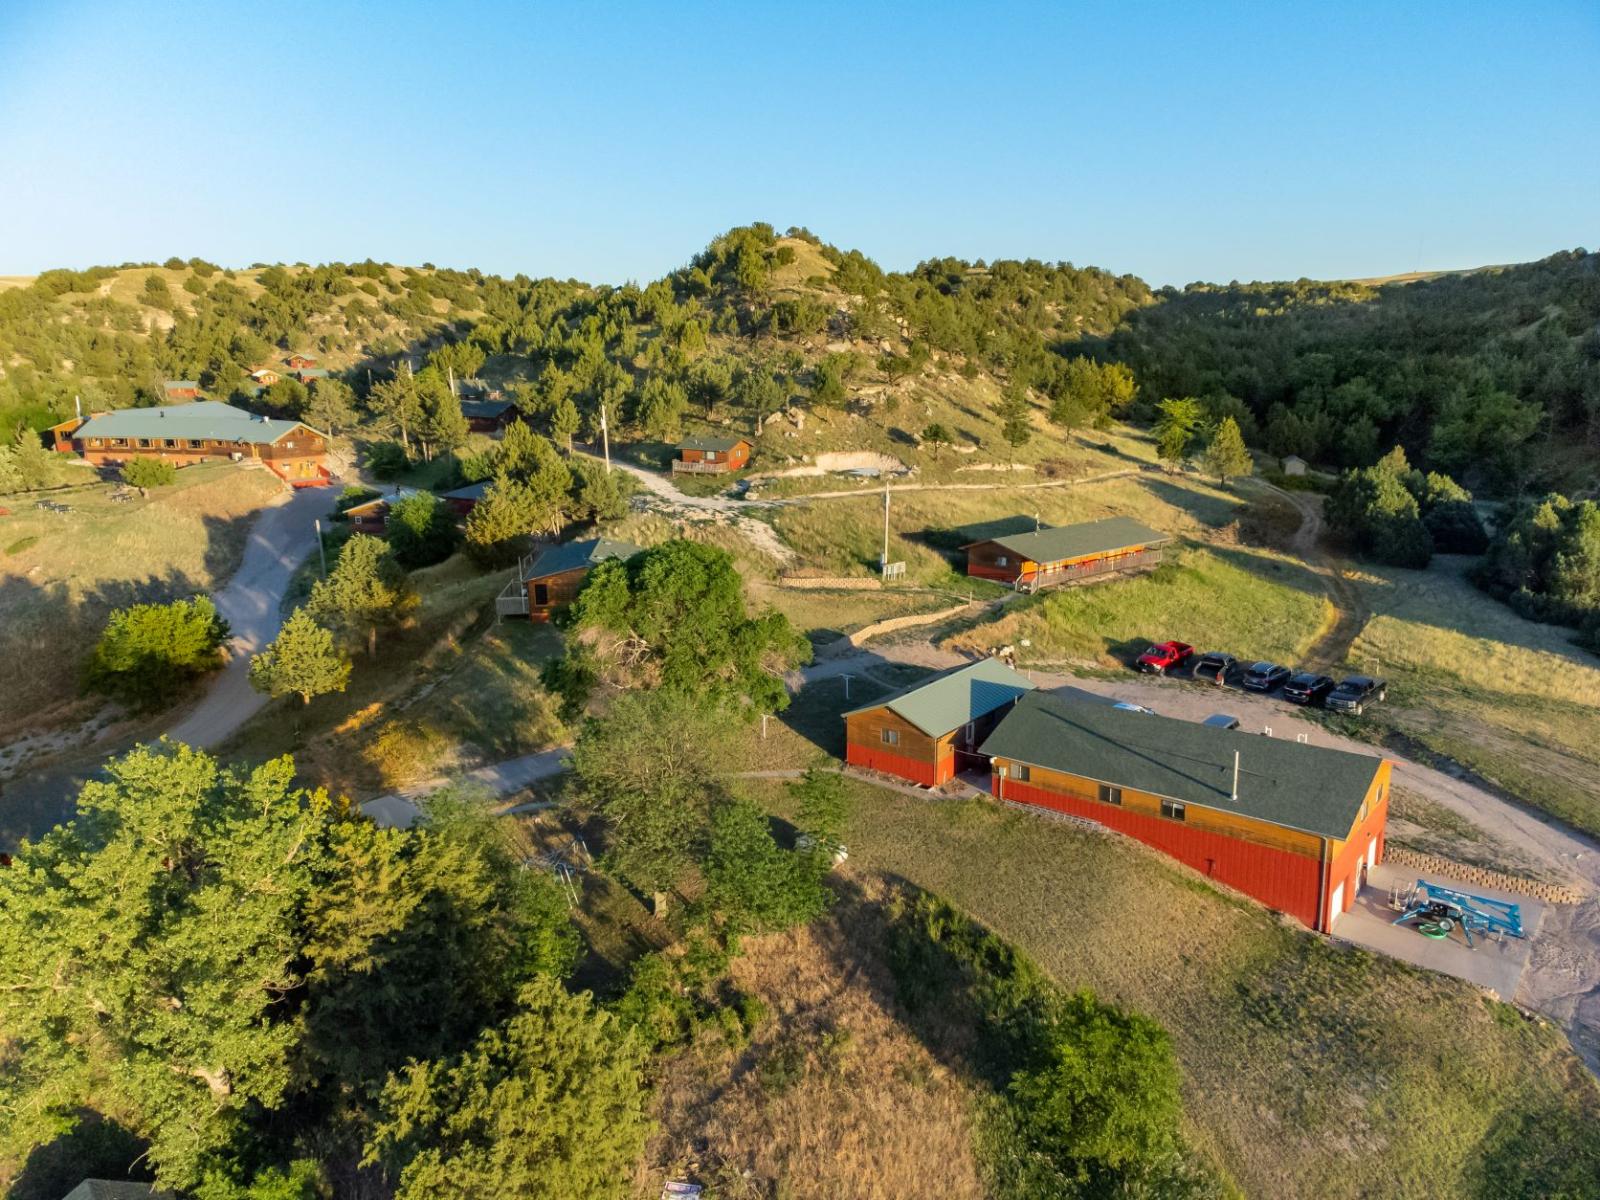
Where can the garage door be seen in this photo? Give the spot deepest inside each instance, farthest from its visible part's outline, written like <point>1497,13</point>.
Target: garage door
<point>1336,905</point>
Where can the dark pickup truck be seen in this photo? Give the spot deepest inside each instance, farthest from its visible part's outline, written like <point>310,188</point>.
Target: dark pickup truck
<point>1354,694</point>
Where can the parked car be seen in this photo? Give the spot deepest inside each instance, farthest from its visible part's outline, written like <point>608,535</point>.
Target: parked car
<point>1221,721</point>
<point>1216,667</point>
<point>1129,706</point>
<point>1354,694</point>
<point>1264,676</point>
<point>1307,687</point>
<point>1164,656</point>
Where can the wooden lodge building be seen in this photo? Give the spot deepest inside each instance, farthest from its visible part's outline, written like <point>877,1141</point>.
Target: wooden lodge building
<point>1295,826</point>
<point>204,431</point>
<point>1049,557</point>
<point>490,415</point>
<point>929,732</point>
<point>712,455</point>
<point>552,577</point>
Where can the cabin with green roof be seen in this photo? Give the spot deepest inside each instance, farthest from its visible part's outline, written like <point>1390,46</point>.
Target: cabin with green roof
<point>712,455</point>
<point>931,731</point>
<point>1293,825</point>
<point>552,577</point>
<point>204,431</point>
<point>1066,554</point>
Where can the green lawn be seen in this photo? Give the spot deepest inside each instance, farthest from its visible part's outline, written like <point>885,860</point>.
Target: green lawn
<point>1249,602</point>
<point>1308,1069</point>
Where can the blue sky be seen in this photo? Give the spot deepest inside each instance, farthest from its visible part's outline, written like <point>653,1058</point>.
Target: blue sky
<point>1176,141</point>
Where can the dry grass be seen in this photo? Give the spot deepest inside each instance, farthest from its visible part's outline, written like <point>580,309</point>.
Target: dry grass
<point>56,592</point>
<point>1508,697</point>
<point>452,689</point>
<point>869,1113</point>
<point>1308,1069</point>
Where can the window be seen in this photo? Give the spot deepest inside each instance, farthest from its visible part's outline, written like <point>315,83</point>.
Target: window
<point>1021,772</point>
<point>1001,561</point>
<point>144,443</point>
<point>711,456</point>
<point>1172,810</point>
<point>1109,794</point>
<point>119,441</point>
<point>541,593</point>
<point>194,443</point>
<point>170,443</point>
<point>94,441</point>
<point>891,737</point>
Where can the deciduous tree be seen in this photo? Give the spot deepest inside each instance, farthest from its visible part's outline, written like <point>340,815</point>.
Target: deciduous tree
<point>149,653</point>
<point>365,592</point>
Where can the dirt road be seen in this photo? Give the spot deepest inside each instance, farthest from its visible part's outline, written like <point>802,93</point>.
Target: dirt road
<point>281,538</point>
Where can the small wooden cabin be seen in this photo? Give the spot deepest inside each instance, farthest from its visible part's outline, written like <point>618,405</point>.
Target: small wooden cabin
<point>1293,825</point>
<point>181,389</point>
<point>464,499</point>
<point>372,516</point>
<point>712,455</point>
<point>1066,554</point>
<point>489,416</point>
<point>554,576</point>
<point>265,376</point>
<point>299,362</point>
<point>929,732</point>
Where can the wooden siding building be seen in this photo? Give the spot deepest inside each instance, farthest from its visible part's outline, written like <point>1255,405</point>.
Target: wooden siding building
<point>929,732</point>
<point>372,516</point>
<point>180,389</point>
<point>490,416</point>
<point>1051,556</point>
<point>205,431</point>
<point>299,362</point>
<point>552,578</point>
<point>464,499</point>
<point>1295,826</point>
<point>711,455</point>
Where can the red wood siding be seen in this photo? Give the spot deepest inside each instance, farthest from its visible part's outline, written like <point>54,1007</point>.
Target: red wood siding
<point>1346,866</point>
<point>1280,879</point>
<point>875,759</point>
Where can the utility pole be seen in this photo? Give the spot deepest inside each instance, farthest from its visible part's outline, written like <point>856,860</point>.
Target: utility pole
<point>605,436</point>
<point>883,563</point>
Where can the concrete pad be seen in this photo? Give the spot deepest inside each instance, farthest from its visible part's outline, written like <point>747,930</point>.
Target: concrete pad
<point>1490,964</point>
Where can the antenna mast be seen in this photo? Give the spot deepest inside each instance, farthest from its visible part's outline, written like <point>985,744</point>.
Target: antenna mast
<point>883,563</point>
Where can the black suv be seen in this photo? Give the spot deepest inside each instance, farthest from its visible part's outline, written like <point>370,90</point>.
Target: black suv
<point>1307,688</point>
<point>1355,693</point>
<point>1264,676</point>
<point>1215,667</point>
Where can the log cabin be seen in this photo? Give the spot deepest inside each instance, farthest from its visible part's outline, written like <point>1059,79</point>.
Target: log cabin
<point>1295,826</point>
<point>1066,554</point>
<point>929,732</point>
<point>489,416</point>
<point>712,455</point>
<point>552,578</point>
<point>204,431</point>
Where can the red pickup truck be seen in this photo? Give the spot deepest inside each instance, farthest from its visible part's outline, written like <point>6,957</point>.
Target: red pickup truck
<point>1161,658</point>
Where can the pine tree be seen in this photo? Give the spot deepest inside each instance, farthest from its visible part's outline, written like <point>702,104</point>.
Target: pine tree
<point>365,592</point>
<point>499,524</point>
<point>1175,428</point>
<point>1226,455</point>
<point>564,422</point>
<point>1013,410</point>
<point>302,661</point>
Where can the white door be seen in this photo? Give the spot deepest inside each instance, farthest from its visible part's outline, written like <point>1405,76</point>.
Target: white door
<point>1372,854</point>
<point>1336,905</point>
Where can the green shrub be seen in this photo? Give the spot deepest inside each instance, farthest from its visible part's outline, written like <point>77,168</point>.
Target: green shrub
<point>150,652</point>
<point>422,530</point>
<point>21,544</point>
<point>782,1068</point>
<point>387,460</point>
<point>148,473</point>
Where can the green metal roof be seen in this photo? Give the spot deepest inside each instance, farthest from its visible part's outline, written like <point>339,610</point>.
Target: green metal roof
<point>711,443</point>
<point>571,555</point>
<point>200,419</point>
<point>1076,541</point>
<point>486,408</point>
<point>473,491</point>
<point>949,701</point>
<point>1311,788</point>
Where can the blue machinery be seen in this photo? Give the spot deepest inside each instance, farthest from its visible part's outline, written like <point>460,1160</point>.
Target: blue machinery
<point>1438,910</point>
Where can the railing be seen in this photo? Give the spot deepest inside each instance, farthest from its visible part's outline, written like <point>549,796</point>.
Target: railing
<point>700,468</point>
<point>513,598</point>
<point>1055,576</point>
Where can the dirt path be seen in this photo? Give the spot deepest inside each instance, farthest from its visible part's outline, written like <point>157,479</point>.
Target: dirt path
<point>1333,644</point>
<point>280,540</point>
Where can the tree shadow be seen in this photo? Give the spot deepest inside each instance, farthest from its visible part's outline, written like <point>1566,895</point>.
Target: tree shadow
<point>96,1148</point>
